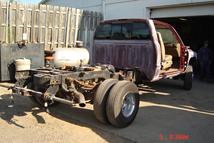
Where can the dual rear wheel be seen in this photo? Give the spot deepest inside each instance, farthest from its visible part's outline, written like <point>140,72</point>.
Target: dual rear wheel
<point>116,102</point>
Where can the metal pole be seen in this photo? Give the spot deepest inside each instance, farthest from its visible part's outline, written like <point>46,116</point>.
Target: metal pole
<point>54,98</point>
<point>20,88</point>
<point>37,93</point>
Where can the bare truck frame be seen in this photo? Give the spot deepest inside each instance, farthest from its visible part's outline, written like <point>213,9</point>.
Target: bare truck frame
<point>115,101</point>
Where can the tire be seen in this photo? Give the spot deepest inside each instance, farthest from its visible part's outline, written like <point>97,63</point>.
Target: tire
<point>188,78</point>
<point>138,77</point>
<point>188,81</point>
<point>100,99</point>
<point>123,92</point>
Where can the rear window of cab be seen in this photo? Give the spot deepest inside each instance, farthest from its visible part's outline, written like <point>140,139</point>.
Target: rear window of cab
<point>123,31</point>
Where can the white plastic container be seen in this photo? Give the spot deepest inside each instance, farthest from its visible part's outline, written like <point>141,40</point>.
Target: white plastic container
<point>70,57</point>
<point>22,64</point>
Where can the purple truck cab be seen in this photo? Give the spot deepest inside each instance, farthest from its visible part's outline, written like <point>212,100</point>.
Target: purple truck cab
<point>151,47</point>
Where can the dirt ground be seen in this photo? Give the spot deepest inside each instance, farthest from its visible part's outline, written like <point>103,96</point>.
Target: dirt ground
<point>167,114</point>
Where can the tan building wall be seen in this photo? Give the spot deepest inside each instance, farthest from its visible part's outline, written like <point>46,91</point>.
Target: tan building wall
<point>113,9</point>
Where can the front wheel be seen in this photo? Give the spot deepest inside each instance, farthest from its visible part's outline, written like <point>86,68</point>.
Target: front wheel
<point>122,104</point>
<point>188,78</point>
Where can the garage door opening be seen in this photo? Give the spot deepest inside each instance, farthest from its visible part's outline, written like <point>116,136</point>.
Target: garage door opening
<point>194,31</point>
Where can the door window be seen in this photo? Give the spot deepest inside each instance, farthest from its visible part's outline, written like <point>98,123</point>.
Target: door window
<point>167,35</point>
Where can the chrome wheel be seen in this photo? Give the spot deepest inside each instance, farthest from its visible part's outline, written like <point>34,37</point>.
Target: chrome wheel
<point>128,105</point>
<point>122,104</point>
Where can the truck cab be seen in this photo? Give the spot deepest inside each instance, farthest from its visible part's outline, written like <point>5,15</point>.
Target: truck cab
<point>151,49</point>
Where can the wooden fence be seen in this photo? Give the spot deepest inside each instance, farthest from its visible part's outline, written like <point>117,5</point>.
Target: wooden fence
<point>52,26</point>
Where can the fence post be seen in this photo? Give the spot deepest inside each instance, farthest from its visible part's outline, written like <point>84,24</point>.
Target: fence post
<point>46,26</point>
<point>67,27</point>
<point>1,22</point>
<point>7,22</point>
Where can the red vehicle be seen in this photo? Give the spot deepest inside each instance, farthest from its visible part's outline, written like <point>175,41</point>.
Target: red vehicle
<point>147,49</point>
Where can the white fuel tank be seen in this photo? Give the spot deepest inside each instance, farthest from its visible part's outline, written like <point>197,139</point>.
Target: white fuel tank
<point>70,57</point>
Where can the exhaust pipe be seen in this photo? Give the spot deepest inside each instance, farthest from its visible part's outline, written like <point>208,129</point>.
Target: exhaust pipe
<point>80,97</point>
<point>73,92</point>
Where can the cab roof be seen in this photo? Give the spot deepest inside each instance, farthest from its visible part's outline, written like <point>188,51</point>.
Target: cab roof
<point>134,20</point>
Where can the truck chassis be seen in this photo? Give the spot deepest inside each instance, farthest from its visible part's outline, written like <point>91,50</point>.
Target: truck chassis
<point>115,100</point>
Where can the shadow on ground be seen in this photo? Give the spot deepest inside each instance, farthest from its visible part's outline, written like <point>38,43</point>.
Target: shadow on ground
<point>165,109</point>
<point>19,106</point>
<point>15,105</point>
<point>170,92</point>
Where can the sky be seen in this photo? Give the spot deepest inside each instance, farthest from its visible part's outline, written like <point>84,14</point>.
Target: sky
<point>30,1</point>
